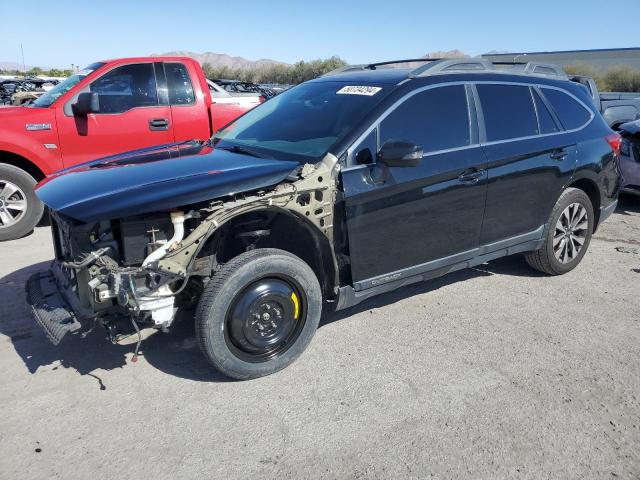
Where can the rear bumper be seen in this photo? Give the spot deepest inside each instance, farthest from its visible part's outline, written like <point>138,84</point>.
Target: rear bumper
<point>49,307</point>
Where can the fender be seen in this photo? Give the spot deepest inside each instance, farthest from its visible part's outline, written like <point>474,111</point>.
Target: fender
<point>39,147</point>
<point>299,198</point>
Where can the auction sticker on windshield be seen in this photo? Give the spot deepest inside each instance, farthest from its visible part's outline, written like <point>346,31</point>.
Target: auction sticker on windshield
<point>358,90</point>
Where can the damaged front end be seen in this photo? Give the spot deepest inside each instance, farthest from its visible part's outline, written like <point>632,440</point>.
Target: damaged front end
<point>138,271</point>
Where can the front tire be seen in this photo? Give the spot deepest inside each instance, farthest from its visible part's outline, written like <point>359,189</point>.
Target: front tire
<point>258,313</point>
<point>20,209</point>
<point>567,234</point>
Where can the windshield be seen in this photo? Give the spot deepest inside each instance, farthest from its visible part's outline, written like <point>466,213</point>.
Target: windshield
<point>56,92</point>
<point>305,121</point>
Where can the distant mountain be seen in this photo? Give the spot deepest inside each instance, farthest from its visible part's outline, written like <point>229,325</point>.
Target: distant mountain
<point>13,66</point>
<point>218,60</point>
<point>444,54</point>
<point>447,54</point>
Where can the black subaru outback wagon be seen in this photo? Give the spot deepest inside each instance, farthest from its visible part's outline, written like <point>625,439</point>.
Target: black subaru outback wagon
<point>362,181</point>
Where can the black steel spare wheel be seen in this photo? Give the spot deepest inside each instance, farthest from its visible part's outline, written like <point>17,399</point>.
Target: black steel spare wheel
<point>265,319</point>
<point>258,313</point>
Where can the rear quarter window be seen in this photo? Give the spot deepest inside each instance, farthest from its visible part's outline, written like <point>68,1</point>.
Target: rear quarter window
<point>571,113</point>
<point>508,111</point>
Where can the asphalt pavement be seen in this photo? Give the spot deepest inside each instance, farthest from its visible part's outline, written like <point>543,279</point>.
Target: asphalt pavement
<point>492,372</point>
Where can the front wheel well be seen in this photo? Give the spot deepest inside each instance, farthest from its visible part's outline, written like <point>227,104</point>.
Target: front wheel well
<point>279,229</point>
<point>591,189</point>
<point>22,163</point>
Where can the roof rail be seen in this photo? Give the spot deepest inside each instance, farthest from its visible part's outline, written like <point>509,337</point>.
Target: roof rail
<point>374,66</point>
<point>455,64</point>
<point>439,65</point>
<point>536,68</point>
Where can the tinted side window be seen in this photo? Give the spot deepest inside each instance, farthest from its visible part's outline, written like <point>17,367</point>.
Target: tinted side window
<point>508,111</point>
<point>569,111</point>
<point>126,87</point>
<point>547,123</point>
<point>179,84</point>
<point>436,119</point>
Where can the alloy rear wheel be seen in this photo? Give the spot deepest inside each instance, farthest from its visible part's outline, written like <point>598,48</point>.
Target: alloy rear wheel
<point>567,234</point>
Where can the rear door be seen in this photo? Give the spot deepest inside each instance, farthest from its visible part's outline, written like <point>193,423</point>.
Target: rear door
<point>530,159</point>
<point>404,220</point>
<point>131,116</point>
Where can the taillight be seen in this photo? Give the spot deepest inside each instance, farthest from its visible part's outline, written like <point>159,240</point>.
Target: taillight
<point>614,142</point>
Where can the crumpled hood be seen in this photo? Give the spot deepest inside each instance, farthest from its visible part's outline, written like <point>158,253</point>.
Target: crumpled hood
<point>156,179</point>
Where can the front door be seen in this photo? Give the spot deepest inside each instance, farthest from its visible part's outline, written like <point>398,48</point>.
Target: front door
<point>405,220</point>
<point>131,117</point>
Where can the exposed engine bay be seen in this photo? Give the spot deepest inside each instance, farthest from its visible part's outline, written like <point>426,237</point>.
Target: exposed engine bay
<point>141,269</point>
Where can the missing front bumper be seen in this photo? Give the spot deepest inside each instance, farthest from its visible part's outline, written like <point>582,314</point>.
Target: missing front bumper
<point>49,307</point>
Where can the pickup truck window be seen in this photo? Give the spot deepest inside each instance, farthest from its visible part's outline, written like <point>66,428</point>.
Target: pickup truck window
<point>56,92</point>
<point>126,87</point>
<point>571,113</point>
<point>179,84</point>
<point>436,119</point>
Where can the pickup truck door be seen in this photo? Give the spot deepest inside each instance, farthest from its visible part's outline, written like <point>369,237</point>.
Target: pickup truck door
<point>403,221</point>
<point>189,103</point>
<point>134,113</point>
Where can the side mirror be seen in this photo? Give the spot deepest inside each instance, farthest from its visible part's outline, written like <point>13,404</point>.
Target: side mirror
<point>87,103</point>
<point>400,153</point>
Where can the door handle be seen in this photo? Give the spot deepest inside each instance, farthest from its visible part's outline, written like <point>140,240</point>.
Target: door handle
<point>471,176</point>
<point>559,154</point>
<point>157,124</point>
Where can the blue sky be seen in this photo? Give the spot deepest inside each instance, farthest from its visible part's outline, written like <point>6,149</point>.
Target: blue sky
<point>61,32</point>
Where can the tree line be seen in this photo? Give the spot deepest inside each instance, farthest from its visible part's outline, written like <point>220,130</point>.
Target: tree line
<point>37,71</point>
<point>280,73</point>
<point>615,79</point>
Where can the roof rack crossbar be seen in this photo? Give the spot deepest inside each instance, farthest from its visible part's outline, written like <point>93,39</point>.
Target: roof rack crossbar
<point>373,66</point>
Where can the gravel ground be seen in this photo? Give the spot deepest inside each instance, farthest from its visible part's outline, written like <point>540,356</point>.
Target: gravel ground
<point>492,372</point>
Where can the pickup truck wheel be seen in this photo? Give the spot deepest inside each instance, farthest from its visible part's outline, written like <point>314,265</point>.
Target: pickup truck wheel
<point>566,236</point>
<point>20,209</point>
<point>258,313</point>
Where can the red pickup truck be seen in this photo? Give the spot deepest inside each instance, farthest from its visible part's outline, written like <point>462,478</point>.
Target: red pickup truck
<point>107,108</point>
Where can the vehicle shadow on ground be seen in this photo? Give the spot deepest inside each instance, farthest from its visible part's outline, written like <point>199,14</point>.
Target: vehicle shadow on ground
<point>513,266</point>
<point>628,204</point>
<point>176,353</point>
<point>89,351</point>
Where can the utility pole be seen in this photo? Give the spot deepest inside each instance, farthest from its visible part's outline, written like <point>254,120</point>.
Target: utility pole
<point>24,67</point>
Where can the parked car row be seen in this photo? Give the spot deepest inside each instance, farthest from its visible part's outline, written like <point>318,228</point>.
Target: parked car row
<point>344,187</point>
<point>21,91</point>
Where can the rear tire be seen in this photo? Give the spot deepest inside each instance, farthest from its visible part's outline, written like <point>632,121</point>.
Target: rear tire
<point>258,313</point>
<point>20,209</point>
<point>566,236</point>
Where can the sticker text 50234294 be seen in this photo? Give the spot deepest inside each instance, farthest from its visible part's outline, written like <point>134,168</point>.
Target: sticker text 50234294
<point>359,90</point>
